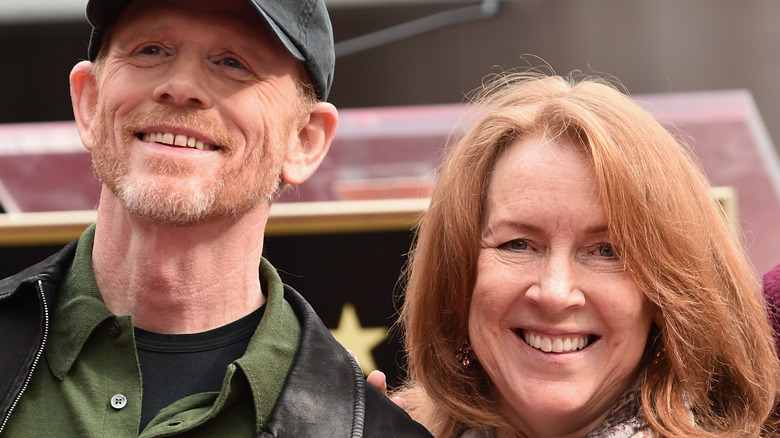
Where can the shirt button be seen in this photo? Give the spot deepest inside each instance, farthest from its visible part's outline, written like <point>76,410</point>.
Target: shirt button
<point>113,329</point>
<point>118,401</point>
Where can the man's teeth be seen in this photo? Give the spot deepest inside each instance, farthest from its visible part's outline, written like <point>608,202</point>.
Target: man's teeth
<point>556,345</point>
<point>178,140</point>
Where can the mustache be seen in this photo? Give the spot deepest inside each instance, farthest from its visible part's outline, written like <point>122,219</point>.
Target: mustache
<point>204,126</point>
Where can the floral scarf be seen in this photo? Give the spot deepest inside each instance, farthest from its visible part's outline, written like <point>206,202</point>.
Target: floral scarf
<point>625,420</point>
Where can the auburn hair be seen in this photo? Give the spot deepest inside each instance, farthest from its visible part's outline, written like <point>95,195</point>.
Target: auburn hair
<point>711,359</point>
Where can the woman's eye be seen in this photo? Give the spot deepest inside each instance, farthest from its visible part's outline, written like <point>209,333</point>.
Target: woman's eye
<point>605,251</point>
<point>516,245</point>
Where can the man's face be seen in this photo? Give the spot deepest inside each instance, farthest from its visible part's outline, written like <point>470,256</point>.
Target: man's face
<point>197,103</point>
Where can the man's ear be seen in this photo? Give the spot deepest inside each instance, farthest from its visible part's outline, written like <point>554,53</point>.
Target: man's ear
<point>83,96</point>
<point>308,150</point>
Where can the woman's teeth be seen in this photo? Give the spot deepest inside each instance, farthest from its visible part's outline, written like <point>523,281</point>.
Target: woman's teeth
<point>558,344</point>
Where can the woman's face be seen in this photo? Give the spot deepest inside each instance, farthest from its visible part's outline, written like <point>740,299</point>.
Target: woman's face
<point>555,320</point>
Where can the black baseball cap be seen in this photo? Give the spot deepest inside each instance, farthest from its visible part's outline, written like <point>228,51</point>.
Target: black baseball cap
<point>302,26</point>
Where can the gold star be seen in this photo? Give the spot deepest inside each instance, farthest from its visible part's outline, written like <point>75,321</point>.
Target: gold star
<point>357,338</point>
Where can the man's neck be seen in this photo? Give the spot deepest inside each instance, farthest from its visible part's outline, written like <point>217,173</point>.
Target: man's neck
<point>178,279</point>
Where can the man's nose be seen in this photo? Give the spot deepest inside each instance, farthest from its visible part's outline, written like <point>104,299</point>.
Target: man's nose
<point>557,287</point>
<point>185,83</point>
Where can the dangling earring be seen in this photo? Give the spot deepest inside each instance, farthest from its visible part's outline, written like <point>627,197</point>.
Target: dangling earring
<point>466,354</point>
<point>660,355</point>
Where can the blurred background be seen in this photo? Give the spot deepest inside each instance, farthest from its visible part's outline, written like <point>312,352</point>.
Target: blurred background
<point>651,46</point>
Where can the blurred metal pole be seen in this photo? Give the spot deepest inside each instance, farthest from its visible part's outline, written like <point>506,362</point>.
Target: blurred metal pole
<point>486,9</point>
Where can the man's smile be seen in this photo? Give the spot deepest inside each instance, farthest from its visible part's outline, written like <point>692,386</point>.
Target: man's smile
<point>180,140</point>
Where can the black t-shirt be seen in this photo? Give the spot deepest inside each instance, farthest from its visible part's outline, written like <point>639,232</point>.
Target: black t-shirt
<point>176,366</point>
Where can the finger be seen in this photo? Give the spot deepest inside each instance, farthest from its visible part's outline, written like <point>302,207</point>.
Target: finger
<point>399,401</point>
<point>378,380</point>
<point>352,353</point>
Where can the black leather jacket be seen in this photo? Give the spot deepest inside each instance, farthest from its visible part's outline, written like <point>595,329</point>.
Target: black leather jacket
<point>325,394</point>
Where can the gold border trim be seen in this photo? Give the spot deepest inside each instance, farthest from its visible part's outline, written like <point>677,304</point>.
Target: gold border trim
<point>287,218</point>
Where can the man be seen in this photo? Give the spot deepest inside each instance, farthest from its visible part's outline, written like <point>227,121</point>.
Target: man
<point>155,322</point>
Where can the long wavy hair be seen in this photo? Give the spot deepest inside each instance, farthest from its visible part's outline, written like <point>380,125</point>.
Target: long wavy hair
<point>711,357</point>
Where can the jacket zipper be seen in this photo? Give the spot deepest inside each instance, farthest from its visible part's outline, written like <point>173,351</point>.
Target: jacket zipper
<point>38,355</point>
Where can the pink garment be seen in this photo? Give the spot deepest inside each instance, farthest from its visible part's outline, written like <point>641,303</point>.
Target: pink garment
<point>772,294</point>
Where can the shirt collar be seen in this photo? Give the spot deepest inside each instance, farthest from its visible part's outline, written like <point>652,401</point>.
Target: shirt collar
<point>272,349</point>
<point>79,299</point>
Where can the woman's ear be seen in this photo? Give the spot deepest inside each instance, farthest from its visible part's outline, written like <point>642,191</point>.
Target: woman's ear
<point>83,96</point>
<point>309,149</point>
<point>658,317</point>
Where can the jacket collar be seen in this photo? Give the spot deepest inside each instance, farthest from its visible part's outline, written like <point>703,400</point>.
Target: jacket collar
<point>48,271</point>
<point>324,386</point>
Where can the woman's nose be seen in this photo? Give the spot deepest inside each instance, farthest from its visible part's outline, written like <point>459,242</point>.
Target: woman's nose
<point>557,287</point>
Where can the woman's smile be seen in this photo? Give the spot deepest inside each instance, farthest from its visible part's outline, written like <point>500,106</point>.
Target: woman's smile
<point>555,343</point>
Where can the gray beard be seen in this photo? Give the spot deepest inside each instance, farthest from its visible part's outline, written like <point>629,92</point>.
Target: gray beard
<point>182,205</point>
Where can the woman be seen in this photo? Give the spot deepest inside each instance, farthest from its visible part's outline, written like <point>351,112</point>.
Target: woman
<point>573,277</point>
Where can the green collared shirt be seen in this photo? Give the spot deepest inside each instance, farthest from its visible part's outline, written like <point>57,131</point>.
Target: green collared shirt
<point>88,382</point>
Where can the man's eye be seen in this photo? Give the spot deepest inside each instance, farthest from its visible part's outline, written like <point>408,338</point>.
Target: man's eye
<point>151,50</point>
<point>232,62</point>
